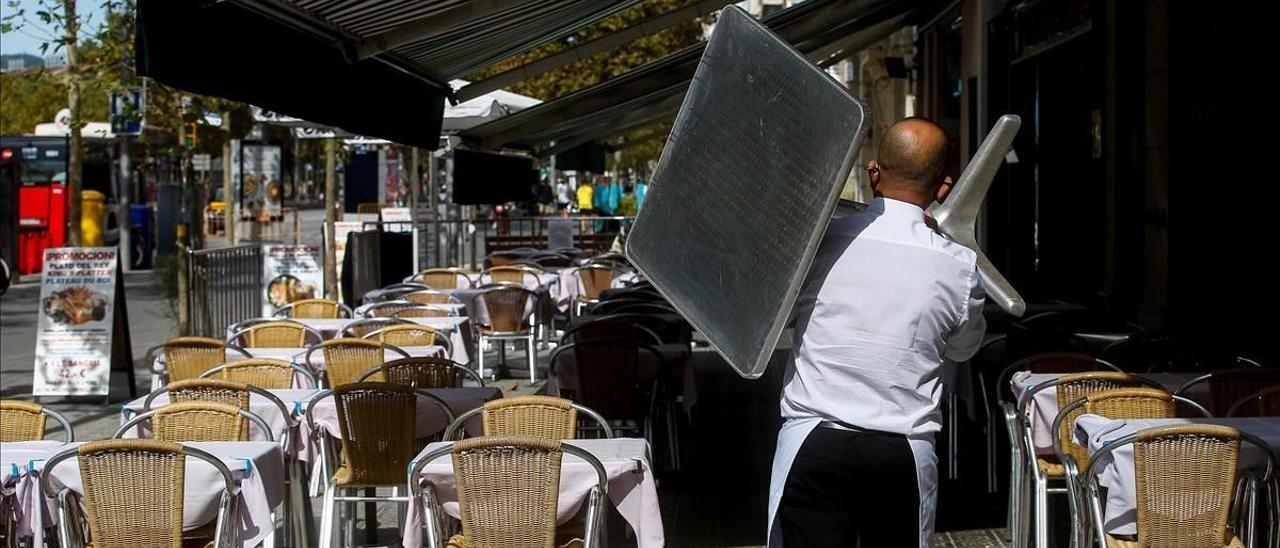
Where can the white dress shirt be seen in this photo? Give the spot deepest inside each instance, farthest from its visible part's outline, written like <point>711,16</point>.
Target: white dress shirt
<point>886,302</point>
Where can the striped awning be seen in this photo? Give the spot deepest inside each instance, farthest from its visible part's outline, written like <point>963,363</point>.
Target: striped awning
<point>653,92</point>
<point>372,67</point>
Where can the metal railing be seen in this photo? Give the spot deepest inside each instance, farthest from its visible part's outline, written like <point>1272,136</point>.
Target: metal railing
<point>224,285</point>
<point>465,243</point>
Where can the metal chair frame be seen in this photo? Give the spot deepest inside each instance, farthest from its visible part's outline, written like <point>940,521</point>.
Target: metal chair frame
<point>224,530</point>
<point>330,524</point>
<point>1245,505</point>
<point>435,513</point>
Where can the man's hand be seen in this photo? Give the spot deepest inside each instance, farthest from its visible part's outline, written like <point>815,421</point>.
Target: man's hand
<point>929,220</point>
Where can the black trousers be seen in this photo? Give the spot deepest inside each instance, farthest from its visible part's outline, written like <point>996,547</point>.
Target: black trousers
<point>851,488</point>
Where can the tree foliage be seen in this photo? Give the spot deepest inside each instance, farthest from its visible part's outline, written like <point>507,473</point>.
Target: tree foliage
<point>605,65</point>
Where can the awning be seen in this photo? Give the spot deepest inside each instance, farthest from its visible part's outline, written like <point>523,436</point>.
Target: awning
<point>372,68</point>
<point>653,92</point>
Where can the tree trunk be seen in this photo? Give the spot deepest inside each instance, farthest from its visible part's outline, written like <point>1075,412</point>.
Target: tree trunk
<point>330,216</point>
<point>75,152</point>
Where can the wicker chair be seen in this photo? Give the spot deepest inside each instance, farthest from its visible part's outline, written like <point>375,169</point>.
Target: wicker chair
<point>133,495</point>
<point>508,489</point>
<point>360,328</point>
<point>429,296</point>
<point>506,274</point>
<point>422,311</point>
<point>1047,362</point>
<point>606,327</point>
<point>1044,469</point>
<point>198,421</point>
<point>552,260</point>
<point>345,359</point>
<point>377,424</point>
<point>1228,386</point>
<point>536,416</point>
<point>188,357</point>
<point>412,334</point>
<point>510,308</point>
<point>1186,475</point>
<point>444,278</point>
<point>423,372</point>
<point>611,380</point>
<point>218,391</point>
<point>263,373</point>
<point>1117,403</point>
<point>1263,404</point>
<point>25,421</point>
<point>387,309</point>
<point>314,309</point>
<point>281,334</point>
<point>502,258</point>
<point>595,279</point>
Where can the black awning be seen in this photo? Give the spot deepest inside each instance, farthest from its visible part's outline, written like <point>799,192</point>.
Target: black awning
<point>221,49</point>
<point>651,92</point>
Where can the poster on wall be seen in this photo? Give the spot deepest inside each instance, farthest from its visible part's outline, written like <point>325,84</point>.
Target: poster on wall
<point>290,273</point>
<point>261,177</point>
<point>76,322</point>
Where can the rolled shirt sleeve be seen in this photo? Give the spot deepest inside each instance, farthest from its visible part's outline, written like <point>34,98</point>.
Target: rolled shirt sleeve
<point>963,341</point>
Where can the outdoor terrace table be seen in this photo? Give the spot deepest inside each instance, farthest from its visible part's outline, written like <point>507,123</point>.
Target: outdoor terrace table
<point>294,400</point>
<point>1118,475</point>
<point>257,467</point>
<point>626,461</point>
<point>430,421</point>
<point>20,484</point>
<point>159,377</point>
<point>457,328</point>
<point>454,309</point>
<point>1043,407</point>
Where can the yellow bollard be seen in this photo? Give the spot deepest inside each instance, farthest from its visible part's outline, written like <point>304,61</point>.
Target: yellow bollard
<point>93,217</point>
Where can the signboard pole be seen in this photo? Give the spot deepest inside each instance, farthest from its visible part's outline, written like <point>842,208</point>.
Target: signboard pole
<point>121,340</point>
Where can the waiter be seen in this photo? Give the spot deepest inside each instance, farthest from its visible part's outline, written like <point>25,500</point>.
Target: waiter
<point>888,302</point>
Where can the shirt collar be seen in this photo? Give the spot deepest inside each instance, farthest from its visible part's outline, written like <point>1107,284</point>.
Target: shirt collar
<point>889,206</point>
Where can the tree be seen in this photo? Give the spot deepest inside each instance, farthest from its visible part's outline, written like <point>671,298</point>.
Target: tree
<point>603,66</point>
<point>61,15</point>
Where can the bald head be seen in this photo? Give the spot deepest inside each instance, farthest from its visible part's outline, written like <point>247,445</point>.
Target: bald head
<point>912,156</point>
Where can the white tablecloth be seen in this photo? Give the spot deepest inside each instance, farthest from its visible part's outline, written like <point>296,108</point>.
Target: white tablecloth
<point>293,355</point>
<point>1117,473</point>
<point>571,284</point>
<point>631,488</point>
<point>160,374</point>
<point>20,463</point>
<point>1043,407</point>
<point>454,309</point>
<point>294,400</point>
<point>430,420</point>
<point>457,328</point>
<point>261,485</point>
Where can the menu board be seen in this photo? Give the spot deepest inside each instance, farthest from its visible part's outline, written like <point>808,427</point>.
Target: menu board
<point>74,335</point>
<point>258,168</point>
<point>290,273</point>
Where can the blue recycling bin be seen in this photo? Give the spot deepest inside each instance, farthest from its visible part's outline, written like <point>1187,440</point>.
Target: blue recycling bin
<point>142,236</point>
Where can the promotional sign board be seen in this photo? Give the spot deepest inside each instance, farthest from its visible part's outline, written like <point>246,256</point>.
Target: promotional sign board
<point>81,303</point>
<point>257,166</point>
<point>290,273</point>
<point>397,219</point>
